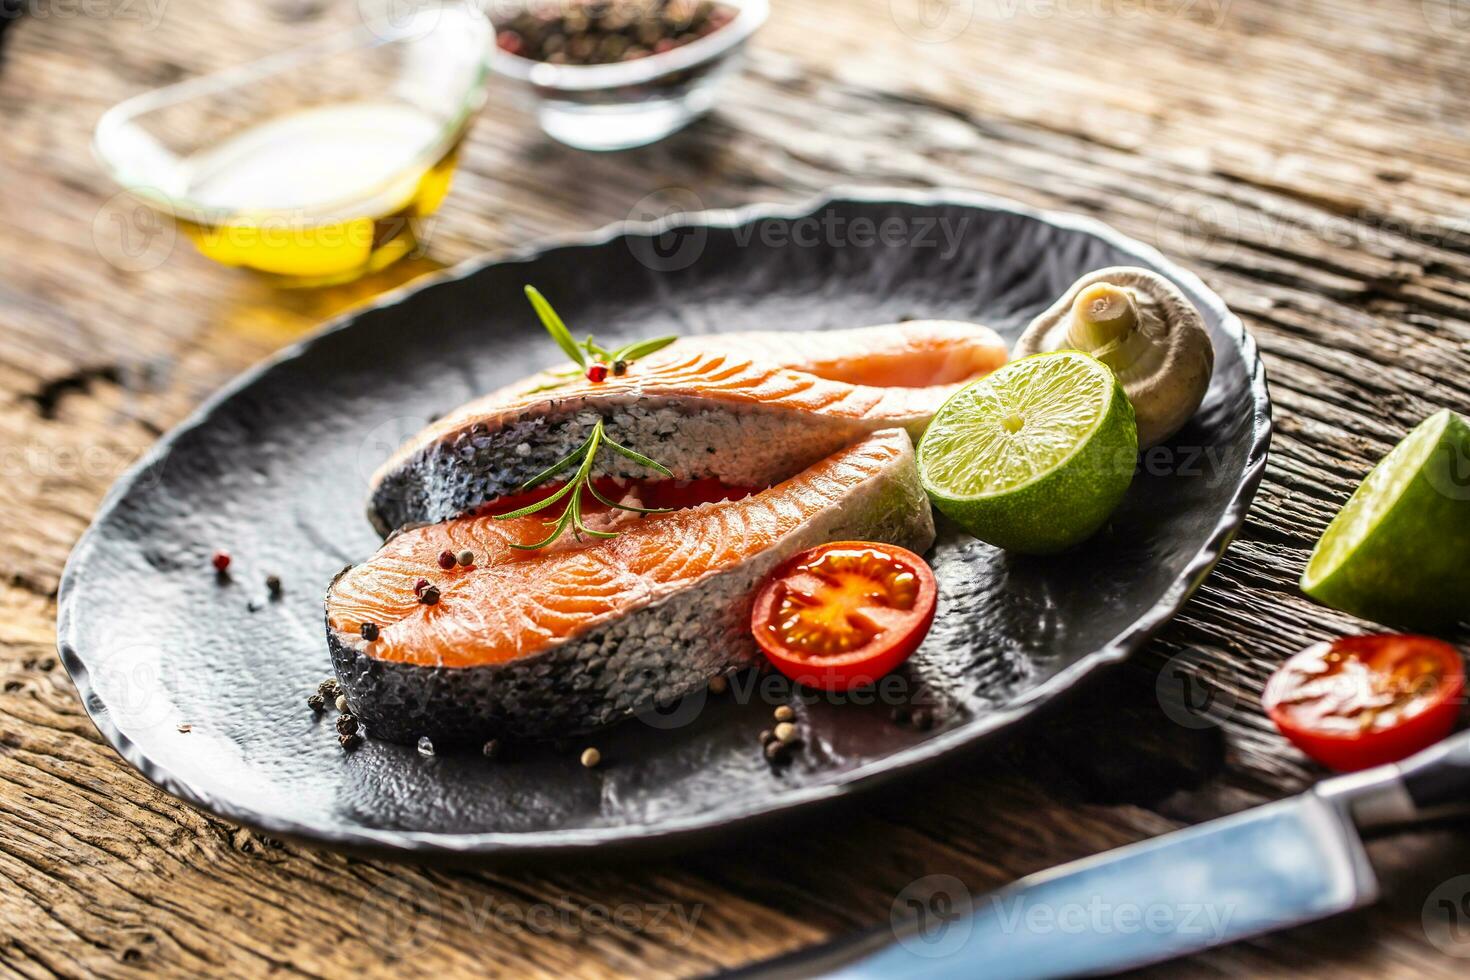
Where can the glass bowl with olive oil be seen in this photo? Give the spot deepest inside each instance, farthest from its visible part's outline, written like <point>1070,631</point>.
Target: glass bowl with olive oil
<point>317,165</point>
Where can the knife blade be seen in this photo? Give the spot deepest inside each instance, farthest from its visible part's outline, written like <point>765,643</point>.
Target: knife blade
<point>1279,865</point>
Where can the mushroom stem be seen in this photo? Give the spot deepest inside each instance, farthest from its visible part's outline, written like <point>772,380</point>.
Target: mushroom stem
<point>1102,315</point>
<point>1139,324</point>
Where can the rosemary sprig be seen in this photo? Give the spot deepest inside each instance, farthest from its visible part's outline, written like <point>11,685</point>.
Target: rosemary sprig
<point>588,352</point>
<point>571,515</point>
<point>555,327</point>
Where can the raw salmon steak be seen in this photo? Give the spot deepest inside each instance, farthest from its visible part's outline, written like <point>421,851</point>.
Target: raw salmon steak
<point>744,409</point>
<point>581,634</point>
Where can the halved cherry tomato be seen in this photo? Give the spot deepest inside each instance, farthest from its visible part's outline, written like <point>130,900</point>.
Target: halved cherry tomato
<point>1364,701</point>
<point>844,614</point>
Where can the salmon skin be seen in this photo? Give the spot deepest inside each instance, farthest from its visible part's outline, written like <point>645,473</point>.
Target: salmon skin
<point>579,635</point>
<point>745,409</point>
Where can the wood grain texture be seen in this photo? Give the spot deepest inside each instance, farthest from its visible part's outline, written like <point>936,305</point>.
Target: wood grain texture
<point>1310,158</point>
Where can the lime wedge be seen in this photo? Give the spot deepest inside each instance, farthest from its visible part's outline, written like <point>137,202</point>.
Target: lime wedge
<point>1034,457</point>
<point>1399,550</point>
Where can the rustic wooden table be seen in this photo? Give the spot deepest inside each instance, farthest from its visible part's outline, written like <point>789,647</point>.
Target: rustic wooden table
<point>1310,158</point>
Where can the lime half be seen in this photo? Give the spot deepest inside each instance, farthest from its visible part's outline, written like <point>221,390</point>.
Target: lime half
<point>1034,457</point>
<point>1399,550</point>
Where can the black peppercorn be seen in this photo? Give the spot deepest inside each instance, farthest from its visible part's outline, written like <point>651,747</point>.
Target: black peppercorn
<point>609,31</point>
<point>430,595</point>
<point>369,631</point>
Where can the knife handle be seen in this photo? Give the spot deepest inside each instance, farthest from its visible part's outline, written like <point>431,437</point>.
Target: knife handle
<point>1438,779</point>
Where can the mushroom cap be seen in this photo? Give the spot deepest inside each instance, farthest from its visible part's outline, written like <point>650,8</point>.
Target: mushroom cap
<point>1164,364</point>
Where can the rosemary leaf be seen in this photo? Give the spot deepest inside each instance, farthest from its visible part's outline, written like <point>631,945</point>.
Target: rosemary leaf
<point>577,525</point>
<point>595,349</point>
<point>555,327</point>
<point>641,348</point>
<point>588,446</point>
<point>571,515</point>
<point>592,488</point>
<point>638,457</point>
<point>561,525</point>
<point>538,505</point>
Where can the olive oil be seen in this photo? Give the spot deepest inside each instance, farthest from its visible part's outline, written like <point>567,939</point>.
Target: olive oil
<point>321,195</point>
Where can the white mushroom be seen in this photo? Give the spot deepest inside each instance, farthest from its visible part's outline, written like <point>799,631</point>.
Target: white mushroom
<point>1139,324</point>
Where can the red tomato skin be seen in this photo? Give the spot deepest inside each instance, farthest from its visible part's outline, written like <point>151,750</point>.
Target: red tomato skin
<point>1351,753</point>
<point>851,671</point>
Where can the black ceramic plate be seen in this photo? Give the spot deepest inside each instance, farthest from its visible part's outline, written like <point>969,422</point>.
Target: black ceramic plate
<point>275,469</point>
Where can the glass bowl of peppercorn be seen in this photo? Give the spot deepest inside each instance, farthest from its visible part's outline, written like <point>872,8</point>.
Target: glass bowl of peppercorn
<point>614,74</point>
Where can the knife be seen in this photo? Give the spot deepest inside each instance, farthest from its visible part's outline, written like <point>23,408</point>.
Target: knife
<point>1276,866</point>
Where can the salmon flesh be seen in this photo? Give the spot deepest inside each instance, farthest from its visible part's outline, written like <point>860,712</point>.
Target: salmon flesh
<point>581,634</point>
<point>742,409</point>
